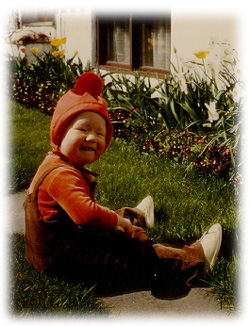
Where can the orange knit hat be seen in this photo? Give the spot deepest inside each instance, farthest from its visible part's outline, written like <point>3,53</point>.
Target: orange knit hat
<point>84,97</point>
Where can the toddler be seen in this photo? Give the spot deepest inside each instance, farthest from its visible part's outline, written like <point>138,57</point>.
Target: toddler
<point>68,233</point>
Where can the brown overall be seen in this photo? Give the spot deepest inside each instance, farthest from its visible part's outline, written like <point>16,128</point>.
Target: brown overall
<point>107,258</point>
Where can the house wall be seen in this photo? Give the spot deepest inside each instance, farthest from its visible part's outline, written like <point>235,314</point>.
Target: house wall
<point>194,33</point>
<point>189,33</point>
<point>77,28</point>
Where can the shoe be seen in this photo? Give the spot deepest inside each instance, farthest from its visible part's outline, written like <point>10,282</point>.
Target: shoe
<point>211,243</point>
<point>147,207</point>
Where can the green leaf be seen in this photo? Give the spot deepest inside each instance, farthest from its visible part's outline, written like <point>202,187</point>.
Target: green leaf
<point>189,110</point>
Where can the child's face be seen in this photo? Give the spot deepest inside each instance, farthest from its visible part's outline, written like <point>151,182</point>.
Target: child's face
<point>84,138</point>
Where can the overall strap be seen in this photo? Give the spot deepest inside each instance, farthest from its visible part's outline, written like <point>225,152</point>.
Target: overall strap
<point>42,177</point>
<point>92,185</point>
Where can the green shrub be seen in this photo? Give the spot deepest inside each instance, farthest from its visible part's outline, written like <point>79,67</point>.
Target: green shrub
<point>41,83</point>
<point>198,97</point>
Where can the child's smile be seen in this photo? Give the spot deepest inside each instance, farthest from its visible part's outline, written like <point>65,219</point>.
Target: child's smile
<point>87,148</point>
<point>84,139</point>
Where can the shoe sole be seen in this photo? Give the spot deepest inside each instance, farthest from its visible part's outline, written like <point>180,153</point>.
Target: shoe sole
<point>217,249</point>
<point>149,213</point>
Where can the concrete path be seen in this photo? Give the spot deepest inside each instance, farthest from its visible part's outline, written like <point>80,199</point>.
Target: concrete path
<point>15,212</point>
<point>142,303</point>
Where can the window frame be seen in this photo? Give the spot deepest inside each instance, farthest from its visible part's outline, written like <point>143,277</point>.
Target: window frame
<point>135,33</point>
<point>37,18</point>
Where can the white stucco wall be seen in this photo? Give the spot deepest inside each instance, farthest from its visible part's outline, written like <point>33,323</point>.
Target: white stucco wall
<point>194,33</point>
<point>76,27</point>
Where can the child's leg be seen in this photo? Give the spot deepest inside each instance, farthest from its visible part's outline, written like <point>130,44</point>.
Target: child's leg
<point>178,260</point>
<point>170,270</point>
<point>177,269</point>
<point>188,256</point>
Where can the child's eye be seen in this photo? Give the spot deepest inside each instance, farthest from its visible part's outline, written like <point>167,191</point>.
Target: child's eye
<point>82,129</point>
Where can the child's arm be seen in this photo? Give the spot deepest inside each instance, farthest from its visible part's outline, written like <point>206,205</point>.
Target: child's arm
<point>68,189</point>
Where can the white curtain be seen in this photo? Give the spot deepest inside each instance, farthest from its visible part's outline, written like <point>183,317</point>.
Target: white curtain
<point>161,46</point>
<point>121,43</point>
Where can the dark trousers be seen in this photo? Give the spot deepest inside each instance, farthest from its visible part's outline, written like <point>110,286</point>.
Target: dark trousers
<point>115,263</point>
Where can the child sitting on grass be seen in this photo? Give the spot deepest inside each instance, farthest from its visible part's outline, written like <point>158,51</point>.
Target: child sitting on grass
<point>69,233</point>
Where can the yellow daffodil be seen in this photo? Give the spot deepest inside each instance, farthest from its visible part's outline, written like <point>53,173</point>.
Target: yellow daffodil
<point>55,42</point>
<point>201,54</point>
<point>55,54</point>
<point>61,52</point>
<point>34,50</point>
<point>58,41</point>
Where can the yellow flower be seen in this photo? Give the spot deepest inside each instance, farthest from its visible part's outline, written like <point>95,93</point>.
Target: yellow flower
<point>55,42</point>
<point>76,52</point>
<point>61,52</point>
<point>33,50</point>
<point>58,41</point>
<point>201,54</point>
<point>55,54</point>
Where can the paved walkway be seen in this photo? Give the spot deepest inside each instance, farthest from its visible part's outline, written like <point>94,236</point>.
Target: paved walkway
<point>16,219</point>
<point>142,303</point>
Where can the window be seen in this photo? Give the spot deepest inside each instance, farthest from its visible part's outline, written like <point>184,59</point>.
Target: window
<point>131,42</point>
<point>118,41</point>
<point>38,17</point>
<point>156,44</point>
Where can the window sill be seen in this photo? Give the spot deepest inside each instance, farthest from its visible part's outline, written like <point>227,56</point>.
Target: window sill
<point>152,72</point>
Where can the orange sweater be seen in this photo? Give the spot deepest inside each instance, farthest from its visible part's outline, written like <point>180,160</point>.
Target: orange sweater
<point>69,189</point>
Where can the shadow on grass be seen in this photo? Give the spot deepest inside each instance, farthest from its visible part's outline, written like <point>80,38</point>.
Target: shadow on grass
<point>32,292</point>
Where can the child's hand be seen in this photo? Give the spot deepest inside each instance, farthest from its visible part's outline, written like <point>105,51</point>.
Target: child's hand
<point>126,225</point>
<point>136,229</point>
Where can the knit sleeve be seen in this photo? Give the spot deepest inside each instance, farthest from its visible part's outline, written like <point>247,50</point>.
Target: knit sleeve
<point>69,189</point>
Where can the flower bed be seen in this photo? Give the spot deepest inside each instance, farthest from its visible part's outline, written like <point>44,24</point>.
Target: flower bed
<point>193,115</point>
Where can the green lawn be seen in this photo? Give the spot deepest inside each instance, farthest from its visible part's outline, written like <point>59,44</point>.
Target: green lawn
<point>32,292</point>
<point>29,141</point>
<point>185,206</point>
